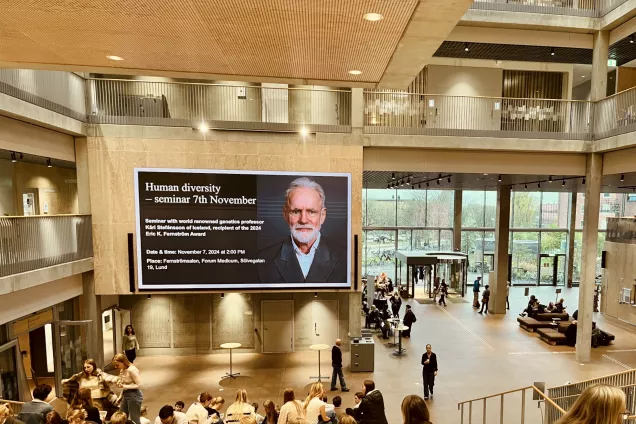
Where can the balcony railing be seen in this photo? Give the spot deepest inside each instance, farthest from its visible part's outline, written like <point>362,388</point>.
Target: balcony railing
<point>585,8</point>
<point>430,114</point>
<point>61,92</point>
<point>220,106</point>
<point>615,115</point>
<point>34,242</point>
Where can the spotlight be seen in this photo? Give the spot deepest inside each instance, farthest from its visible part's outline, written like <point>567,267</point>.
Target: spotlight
<point>449,179</point>
<point>526,186</point>
<point>149,296</point>
<point>499,178</point>
<point>304,131</point>
<point>538,185</point>
<point>13,158</point>
<point>466,48</point>
<point>427,184</point>
<point>631,39</point>
<point>222,295</point>
<point>622,177</point>
<point>372,17</point>
<point>439,178</point>
<point>583,180</point>
<point>203,127</point>
<point>393,176</point>
<point>412,187</point>
<point>438,181</point>
<point>552,52</point>
<point>563,183</point>
<point>408,181</point>
<point>315,294</point>
<point>550,179</point>
<point>48,163</point>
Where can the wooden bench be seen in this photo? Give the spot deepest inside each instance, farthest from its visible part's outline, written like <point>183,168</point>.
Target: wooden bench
<point>551,336</point>
<point>531,324</point>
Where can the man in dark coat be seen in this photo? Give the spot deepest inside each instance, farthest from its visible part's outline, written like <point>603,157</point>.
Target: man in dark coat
<point>409,319</point>
<point>336,363</point>
<point>371,409</point>
<point>396,303</point>
<point>429,370</point>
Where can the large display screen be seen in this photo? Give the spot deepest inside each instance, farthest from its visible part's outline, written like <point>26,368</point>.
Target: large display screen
<point>212,229</point>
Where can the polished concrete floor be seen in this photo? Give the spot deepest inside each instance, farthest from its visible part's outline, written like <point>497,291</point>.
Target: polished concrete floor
<point>478,356</point>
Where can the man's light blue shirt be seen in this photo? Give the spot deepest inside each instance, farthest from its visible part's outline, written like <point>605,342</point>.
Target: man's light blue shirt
<point>305,260</point>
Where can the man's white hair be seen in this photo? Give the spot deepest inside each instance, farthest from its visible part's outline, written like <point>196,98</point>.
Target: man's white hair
<point>304,182</point>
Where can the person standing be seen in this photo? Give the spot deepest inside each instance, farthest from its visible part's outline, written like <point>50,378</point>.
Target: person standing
<point>130,381</point>
<point>476,285</point>
<point>429,370</point>
<point>130,343</point>
<point>409,319</point>
<point>485,297</point>
<point>396,304</point>
<point>336,363</point>
<point>371,409</point>
<point>508,295</point>
<point>443,293</point>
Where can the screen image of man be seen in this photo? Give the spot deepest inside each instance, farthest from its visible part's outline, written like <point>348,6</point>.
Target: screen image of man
<point>305,256</point>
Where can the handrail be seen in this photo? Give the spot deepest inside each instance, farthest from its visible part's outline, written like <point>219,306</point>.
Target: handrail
<point>537,390</point>
<point>578,394</point>
<point>13,402</point>
<point>478,97</point>
<point>593,379</point>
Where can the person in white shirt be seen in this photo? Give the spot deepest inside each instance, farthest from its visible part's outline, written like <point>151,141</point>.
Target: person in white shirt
<point>240,408</point>
<point>197,412</point>
<point>315,411</point>
<point>130,380</point>
<point>167,415</point>
<point>144,415</point>
<point>291,408</point>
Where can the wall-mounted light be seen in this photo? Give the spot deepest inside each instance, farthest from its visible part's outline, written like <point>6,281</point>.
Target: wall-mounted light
<point>538,185</point>
<point>408,181</point>
<point>48,163</point>
<point>526,186</point>
<point>13,158</point>
<point>552,52</point>
<point>439,178</point>
<point>466,47</point>
<point>631,39</point>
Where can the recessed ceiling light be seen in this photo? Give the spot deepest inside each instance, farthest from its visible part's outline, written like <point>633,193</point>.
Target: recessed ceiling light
<point>355,72</point>
<point>582,76</point>
<point>117,58</point>
<point>373,17</point>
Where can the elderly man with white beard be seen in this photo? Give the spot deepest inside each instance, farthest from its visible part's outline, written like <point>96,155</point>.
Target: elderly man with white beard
<point>306,256</point>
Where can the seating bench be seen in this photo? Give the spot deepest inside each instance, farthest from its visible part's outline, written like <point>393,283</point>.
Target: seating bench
<point>531,324</point>
<point>550,316</point>
<point>551,336</point>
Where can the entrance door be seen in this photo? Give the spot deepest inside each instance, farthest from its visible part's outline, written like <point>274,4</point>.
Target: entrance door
<point>325,316</point>
<point>278,325</point>
<point>71,347</point>
<point>114,322</point>
<point>13,381</point>
<point>546,270</point>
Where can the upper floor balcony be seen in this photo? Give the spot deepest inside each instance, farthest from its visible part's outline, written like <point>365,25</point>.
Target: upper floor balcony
<point>584,8</point>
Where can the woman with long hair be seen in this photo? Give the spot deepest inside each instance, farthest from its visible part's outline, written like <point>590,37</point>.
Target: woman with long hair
<point>6,415</point>
<point>271,416</point>
<point>215,408</point>
<point>291,408</point>
<point>240,408</point>
<point>92,378</point>
<point>83,401</point>
<point>130,343</point>
<point>414,410</point>
<point>130,380</point>
<point>314,406</point>
<point>54,417</point>
<point>598,404</point>
<point>76,416</point>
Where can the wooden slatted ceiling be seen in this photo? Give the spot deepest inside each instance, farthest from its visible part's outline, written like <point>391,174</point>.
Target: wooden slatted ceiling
<point>296,39</point>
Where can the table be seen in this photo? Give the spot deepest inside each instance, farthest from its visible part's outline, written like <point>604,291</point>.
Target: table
<point>396,322</point>
<point>319,347</point>
<point>400,351</point>
<point>231,346</point>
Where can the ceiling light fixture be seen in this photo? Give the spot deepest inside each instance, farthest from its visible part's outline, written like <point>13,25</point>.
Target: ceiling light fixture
<point>427,185</point>
<point>622,177</point>
<point>583,180</point>
<point>538,185</point>
<point>393,175</point>
<point>449,179</point>
<point>203,127</point>
<point>48,163</point>
<point>373,17</point>
<point>115,58</point>
<point>526,186</point>
<point>631,39</point>
<point>499,179</point>
<point>563,183</point>
<point>13,158</point>
<point>408,181</point>
<point>550,179</point>
<point>466,47</point>
<point>355,72</point>
<point>552,52</point>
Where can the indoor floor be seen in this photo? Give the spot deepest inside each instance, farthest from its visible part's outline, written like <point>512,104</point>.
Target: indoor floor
<point>478,356</point>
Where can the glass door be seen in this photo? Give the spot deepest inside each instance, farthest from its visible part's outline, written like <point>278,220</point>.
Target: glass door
<point>546,270</point>
<point>71,349</point>
<point>13,382</point>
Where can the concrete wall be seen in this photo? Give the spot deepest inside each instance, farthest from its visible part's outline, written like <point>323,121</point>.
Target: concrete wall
<point>7,197</point>
<point>619,273</point>
<point>582,91</point>
<point>56,188</point>
<point>188,323</point>
<point>19,136</point>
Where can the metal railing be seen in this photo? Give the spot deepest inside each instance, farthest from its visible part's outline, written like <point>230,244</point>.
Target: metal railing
<point>34,242</point>
<point>16,407</point>
<point>61,92</point>
<point>431,114</point>
<point>585,8</point>
<point>492,409</point>
<point>615,114</point>
<point>222,106</point>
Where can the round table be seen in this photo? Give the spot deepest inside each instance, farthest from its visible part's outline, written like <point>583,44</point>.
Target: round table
<point>396,323</point>
<point>319,347</point>
<point>231,346</point>
<point>400,351</point>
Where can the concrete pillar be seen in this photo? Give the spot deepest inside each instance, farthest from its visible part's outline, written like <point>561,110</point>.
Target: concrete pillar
<point>92,310</point>
<point>569,254</point>
<point>355,316</point>
<point>599,66</point>
<point>499,285</point>
<point>593,174</point>
<point>457,221</point>
<point>83,182</point>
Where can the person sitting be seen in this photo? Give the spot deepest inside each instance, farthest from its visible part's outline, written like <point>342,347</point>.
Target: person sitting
<point>529,307</point>
<point>34,412</point>
<point>6,415</point>
<point>559,308</point>
<point>170,415</point>
<point>570,334</point>
<point>550,307</point>
<point>374,316</point>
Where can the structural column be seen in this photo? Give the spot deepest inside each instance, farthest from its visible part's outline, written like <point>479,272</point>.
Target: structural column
<point>569,269</point>
<point>600,53</point>
<point>357,116</point>
<point>355,318</point>
<point>593,174</point>
<point>457,221</point>
<point>499,286</point>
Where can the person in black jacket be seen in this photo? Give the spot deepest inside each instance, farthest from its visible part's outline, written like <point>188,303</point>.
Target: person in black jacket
<point>409,319</point>
<point>429,370</point>
<point>371,409</point>
<point>336,363</point>
<point>396,303</point>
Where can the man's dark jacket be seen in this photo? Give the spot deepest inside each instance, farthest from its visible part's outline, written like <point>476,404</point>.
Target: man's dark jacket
<point>281,265</point>
<point>431,367</point>
<point>371,409</point>
<point>336,357</point>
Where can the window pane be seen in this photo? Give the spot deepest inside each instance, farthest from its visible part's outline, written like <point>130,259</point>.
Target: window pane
<point>446,240</point>
<point>472,209</point>
<point>490,209</point>
<point>472,244</point>
<point>576,270</point>
<point>553,242</point>
<point>380,207</point>
<point>554,210</point>
<point>526,207</point>
<point>377,253</point>
<point>411,208</point>
<point>439,208</point>
<point>489,256</point>
<point>524,257</point>
<point>404,240</point>
<point>426,240</point>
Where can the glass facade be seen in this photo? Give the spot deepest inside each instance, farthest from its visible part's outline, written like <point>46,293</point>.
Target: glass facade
<point>423,220</point>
